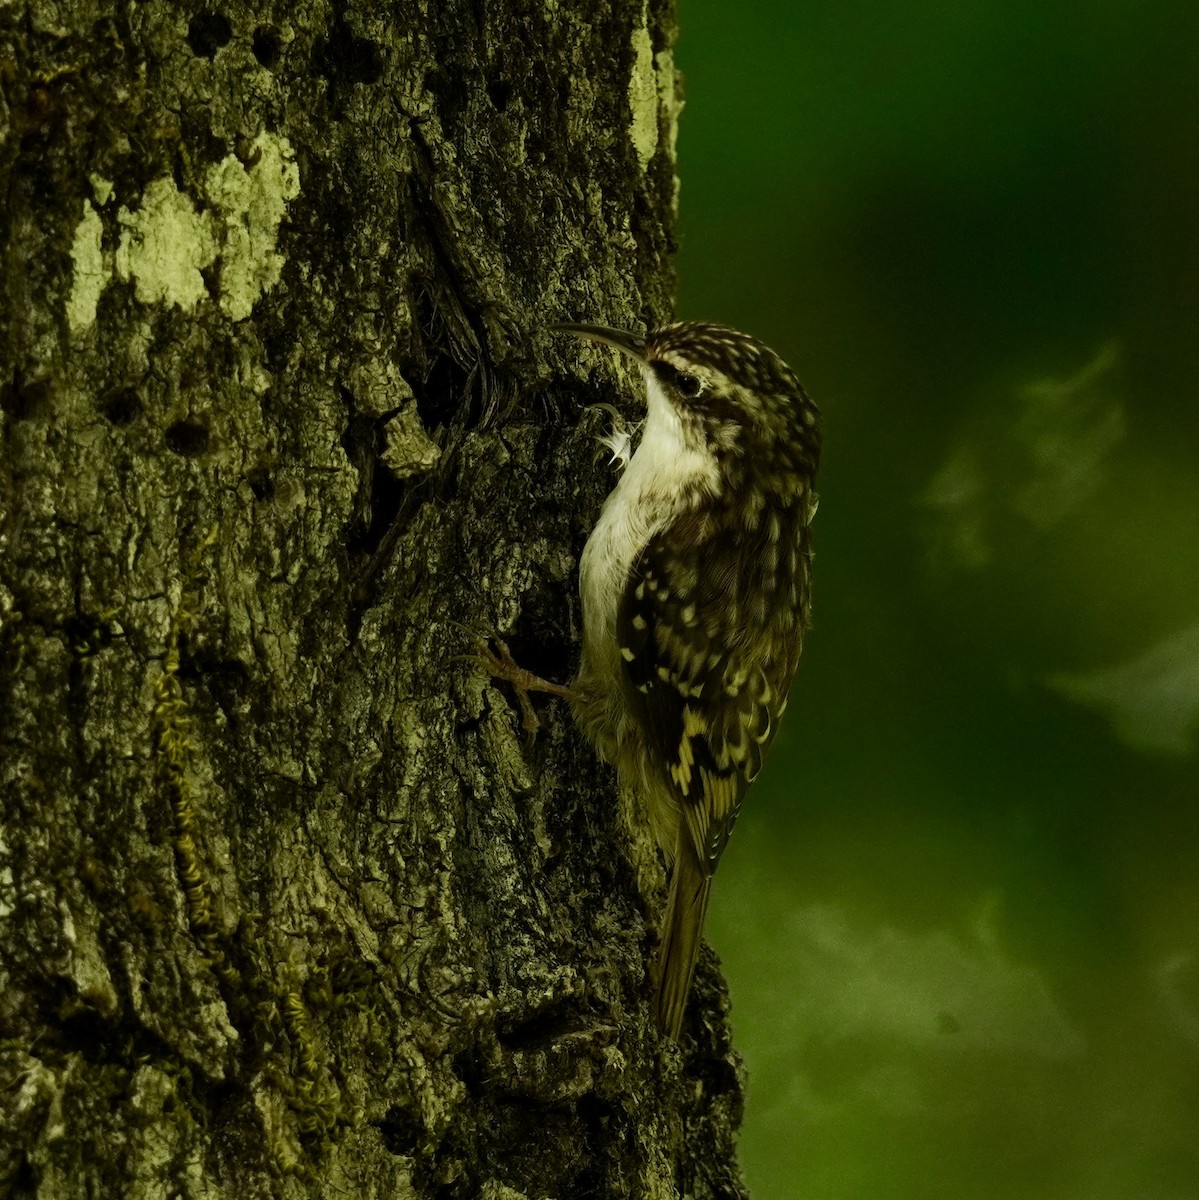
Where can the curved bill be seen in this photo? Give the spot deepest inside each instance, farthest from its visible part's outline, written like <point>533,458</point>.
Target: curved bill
<point>632,344</point>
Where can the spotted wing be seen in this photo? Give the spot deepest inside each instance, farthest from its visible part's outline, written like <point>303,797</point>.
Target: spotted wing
<point>708,659</point>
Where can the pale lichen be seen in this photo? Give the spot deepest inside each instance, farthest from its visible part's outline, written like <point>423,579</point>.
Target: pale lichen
<point>643,97</point>
<point>89,273</point>
<point>166,243</point>
<point>251,202</point>
<point>164,246</point>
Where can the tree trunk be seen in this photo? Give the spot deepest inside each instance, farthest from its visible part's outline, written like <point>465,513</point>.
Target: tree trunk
<point>288,904</point>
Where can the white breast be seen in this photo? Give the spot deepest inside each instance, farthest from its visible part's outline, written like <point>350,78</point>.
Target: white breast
<point>667,466</point>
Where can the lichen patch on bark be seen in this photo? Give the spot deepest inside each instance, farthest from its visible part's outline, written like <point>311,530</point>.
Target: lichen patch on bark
<point>165,244</point>
<point>251,201</point>
<point>643,97</point>
<point>89,274</point>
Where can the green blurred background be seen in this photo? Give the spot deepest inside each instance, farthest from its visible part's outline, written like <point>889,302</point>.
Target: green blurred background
<point>960,915</point>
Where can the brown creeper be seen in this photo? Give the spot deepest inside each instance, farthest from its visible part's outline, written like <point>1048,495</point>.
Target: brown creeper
<point>695,586</point>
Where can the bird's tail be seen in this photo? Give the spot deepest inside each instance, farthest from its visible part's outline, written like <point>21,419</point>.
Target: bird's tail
<point>686,907</point>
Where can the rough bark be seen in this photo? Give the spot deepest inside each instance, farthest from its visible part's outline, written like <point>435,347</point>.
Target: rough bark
<point>288,906</point>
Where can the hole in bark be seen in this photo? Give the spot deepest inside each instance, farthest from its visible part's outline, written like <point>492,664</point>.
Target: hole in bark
<point>25,1182</point>
<point>446,389</point>
<point>211,275</point>
<point>387,494</point>
<point>187,438</point>
<point>500,91</point>
<point>227,680</point>
<point>265,45</point>
<point>261,483</point>
<point>400,1131</point>
<point>596,1118</point>
<point>278,344</point>
<point>23,398</point>
<point>379,492</point>
<point>123,406</point>
<point>89,1024</point>
<point>345,58</point>
<point>439,397</point>
<point>469,1069</point>
<point>207,32</point>
<point>538,1029</point>
<point>86,633</point>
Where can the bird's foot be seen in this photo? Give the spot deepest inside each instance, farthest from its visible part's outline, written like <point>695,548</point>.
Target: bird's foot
<point>494,656</point>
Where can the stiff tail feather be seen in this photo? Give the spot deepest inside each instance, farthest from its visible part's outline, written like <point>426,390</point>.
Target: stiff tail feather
<point>686,907</point>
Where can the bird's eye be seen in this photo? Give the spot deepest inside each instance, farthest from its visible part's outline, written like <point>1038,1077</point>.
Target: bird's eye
<point>683,382</point>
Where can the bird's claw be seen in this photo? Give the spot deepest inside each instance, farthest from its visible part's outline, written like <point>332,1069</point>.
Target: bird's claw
<point>493,654</point>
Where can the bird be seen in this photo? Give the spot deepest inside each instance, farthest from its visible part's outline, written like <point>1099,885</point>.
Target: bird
<point>695,585</point>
